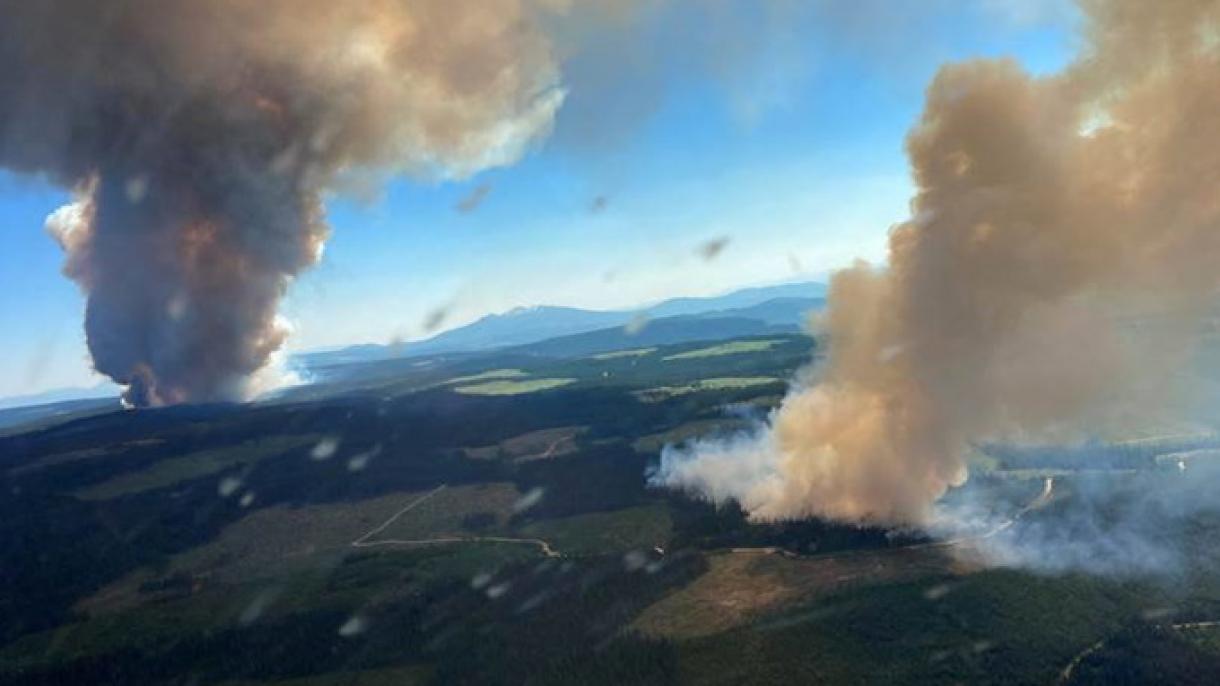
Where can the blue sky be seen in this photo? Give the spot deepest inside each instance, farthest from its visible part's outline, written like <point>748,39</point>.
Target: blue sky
<point>797,160</point>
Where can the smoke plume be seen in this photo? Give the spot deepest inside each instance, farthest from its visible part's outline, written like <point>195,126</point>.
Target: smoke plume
<point>1062,248</point>
<point>200,137</point>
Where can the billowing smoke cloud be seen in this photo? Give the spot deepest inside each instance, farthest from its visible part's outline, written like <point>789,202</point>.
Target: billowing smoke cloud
<point>1064,242</point>
<point>200,137</point>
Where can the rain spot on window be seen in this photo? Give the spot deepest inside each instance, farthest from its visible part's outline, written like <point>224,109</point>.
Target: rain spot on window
<point>325,449</point>
<point>530,499</point>
<point>354,626</point>
<point>228,486</point>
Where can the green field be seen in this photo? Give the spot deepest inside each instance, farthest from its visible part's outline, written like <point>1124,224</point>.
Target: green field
<point>512,387</point>
<point>619,354</point>
<point>718,384</point>
<point>488,376</point>
<point>732,348</point>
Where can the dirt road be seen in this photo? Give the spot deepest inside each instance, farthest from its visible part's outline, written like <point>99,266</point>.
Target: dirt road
<point>364,542</point>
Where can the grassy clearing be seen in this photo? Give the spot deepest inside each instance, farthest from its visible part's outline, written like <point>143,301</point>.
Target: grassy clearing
<point>718,384</point>
<point>731,348</point>
<point>489,375</point>
<point>635,528</point>
<point>193,466</point>
<point>512,387</point>
<point>618,354</point>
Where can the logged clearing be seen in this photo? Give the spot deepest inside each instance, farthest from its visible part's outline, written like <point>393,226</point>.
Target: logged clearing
<point>512,387</point>
<point>193,466</point>
<point>745,584</point>
<point>618,354</point>
<point>732,348</point>
<point>653,395</point>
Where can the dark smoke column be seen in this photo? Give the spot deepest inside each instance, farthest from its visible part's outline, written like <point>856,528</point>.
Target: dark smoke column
<point>185,260</point>
<point>199,137</point>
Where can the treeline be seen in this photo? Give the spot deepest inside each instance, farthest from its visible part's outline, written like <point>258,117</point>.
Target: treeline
<point>704,525</point>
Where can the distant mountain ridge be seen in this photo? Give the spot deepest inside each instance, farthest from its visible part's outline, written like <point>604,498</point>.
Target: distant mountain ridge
<point>12,416</point>
<point>542,330</point>
<point>663,331</point>
<point>736,300</point>
<point>519,326</point>
<point>781,306</point>
<point>785,311</point>
<point>104,389</point>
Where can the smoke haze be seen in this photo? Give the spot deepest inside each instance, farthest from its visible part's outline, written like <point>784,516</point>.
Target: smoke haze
<point>1052,217</point>
<point>1114,524</point>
